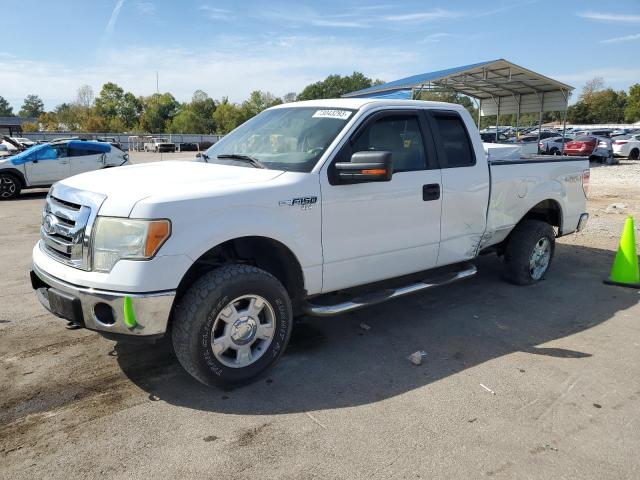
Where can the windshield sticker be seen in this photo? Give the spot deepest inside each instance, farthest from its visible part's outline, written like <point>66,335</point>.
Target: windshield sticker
<point>339,114</point>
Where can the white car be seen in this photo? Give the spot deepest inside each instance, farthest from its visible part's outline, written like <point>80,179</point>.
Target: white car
<point>553,145</point>
<point>629,147</point>
<point>159,145</point>
<point>43,165</point>
<point>24,141</point>
<point>304,200</point>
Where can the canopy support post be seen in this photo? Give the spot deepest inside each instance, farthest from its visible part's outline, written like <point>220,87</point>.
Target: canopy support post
<point>518,116</point>
<point>479,113</point>
<point>497,118</point>
<point>564,118</point>
<point>540,120</point>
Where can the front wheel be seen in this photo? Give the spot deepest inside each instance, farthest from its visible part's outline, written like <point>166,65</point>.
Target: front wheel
<point>529,252</point>
<point>231,325</point>
<point>9,186</point>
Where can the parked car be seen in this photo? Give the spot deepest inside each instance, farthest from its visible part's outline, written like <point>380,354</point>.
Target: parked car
<point>43,165</point>
<point>188,147</point>
<point>488,137</point>
<point>4,150</point>
<point>304,200</point>
<point>112,141</point>
<point>25,142</point>
<point>629,146</point>
<point>596,148</point>
<point>159,145</point>
<point>603,132</point>
<point>553,145</point>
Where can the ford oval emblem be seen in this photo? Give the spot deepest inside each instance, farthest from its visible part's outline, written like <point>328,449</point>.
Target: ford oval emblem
<point>49,223</point>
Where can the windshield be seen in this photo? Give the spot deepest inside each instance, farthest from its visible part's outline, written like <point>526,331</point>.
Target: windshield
<point>291,139</point>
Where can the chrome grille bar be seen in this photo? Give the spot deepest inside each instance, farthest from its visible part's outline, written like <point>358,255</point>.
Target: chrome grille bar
<point>67,219</point>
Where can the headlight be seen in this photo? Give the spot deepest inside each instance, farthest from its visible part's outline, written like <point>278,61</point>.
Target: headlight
<point>119,238</point>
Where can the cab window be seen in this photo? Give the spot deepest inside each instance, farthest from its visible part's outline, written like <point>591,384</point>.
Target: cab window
<point>398,134</point>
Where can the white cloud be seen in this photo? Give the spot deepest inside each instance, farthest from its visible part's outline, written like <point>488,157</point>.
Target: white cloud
<point>146,8</point>
<point>611,17</point>
<point>419,17</point>
<point>111,24</point>
<point>617,77</point>
<point>276,64</point>
<point>626,38</point>
<point>214,13</point>
<point>435,37</point>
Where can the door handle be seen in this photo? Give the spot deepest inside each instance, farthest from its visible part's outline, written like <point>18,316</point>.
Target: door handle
<point>431,192</point>
<point>64,163</point>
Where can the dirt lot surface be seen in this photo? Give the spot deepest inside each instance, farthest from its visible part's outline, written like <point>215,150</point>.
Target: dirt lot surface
<point>560,362</point>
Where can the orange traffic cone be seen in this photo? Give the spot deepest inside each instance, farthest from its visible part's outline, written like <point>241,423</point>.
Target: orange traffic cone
<point>625,266</point>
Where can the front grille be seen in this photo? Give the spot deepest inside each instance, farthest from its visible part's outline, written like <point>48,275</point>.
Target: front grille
<point>66,222</point>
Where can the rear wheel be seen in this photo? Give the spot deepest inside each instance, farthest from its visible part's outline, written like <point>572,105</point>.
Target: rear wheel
<point>529,252</point>
<point>231,325</point>
<point>554,151</point>
<point>634,154</point>
<point>9,186</point>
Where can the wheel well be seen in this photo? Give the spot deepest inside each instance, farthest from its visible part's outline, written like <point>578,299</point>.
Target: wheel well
<point>17,174</point>
<point>548,211</point>
<point>262,252</point>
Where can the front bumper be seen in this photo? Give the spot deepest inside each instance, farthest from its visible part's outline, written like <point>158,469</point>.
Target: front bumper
<point>111,313</point>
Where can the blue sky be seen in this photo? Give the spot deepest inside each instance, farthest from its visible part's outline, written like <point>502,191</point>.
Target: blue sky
<point>229,48</point>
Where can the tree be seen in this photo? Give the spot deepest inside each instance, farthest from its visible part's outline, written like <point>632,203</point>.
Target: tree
<point>632,110</point>
<point>32,107</point>
<point>257,102</point>
<point>120,110</point>
<point>6,110</point>
<point>598,104</point>
<point>289,97</point>
<point>196,116</point>
<point>227,116</point>
<point>158,110</point>
<point>334,86</point>
<point>84,97</point>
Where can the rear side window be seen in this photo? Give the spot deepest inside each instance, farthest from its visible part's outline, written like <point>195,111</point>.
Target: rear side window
<point>454,145</point>
<point>81,152</point>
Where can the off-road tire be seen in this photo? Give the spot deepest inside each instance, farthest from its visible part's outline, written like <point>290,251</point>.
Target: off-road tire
<point>196,311</point>
<point>520,246</point>
<point>10,186</point>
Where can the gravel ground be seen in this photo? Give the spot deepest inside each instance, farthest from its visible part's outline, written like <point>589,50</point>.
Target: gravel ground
<point>536,382</point>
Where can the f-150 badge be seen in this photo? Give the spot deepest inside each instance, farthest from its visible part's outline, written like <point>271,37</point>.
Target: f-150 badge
<point>305,203</point>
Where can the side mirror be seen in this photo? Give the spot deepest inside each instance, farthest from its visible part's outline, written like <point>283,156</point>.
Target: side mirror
<point>198,155</point>
<point>367,166</point>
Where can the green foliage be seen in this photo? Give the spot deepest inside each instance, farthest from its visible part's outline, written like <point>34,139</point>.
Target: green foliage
<point>227,116</point>
<point>157,112</point>
<point>632,110</point>
<point>120,110</point>
<point>598,104</point>
<point>196,116</point>
<point>32,107</point>
<point>6,110</point>
<point>334,86</point>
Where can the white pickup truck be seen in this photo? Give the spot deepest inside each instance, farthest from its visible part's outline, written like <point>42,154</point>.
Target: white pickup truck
<point>315,208</point>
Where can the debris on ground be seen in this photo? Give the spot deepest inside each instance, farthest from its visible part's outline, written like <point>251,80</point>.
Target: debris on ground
<point>417,357</point>
<point>616,208</point>
<point>488,389</point>
<point>364,326</point>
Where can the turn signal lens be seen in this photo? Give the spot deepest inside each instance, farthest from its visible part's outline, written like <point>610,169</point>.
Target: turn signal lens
<point>374,172</point>
<point>157,233</point>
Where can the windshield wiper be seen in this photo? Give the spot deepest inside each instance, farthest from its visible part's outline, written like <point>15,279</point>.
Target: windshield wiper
<point>245,158</point>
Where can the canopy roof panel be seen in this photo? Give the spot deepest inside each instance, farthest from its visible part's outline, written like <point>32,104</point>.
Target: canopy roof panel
<point>498,81</point>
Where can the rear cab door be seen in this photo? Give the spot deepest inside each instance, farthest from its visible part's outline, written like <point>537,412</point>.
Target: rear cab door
<point>465,184</point>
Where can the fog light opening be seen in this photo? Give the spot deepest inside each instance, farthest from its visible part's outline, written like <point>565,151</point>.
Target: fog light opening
<point>104,313</point>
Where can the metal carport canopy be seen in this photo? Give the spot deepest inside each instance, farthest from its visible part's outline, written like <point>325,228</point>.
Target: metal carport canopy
<point>499,85</point>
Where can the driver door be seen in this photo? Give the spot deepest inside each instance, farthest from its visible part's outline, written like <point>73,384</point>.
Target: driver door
<point>48,165</point>
<point>378,230</point>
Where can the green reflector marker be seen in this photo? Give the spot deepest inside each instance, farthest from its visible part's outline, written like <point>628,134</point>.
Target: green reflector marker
<point>129,313</point>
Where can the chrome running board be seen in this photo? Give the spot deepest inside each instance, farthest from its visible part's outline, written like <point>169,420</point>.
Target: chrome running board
<point>387,294</point>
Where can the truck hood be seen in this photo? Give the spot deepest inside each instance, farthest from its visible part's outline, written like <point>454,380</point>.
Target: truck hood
<point>125,186</point>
